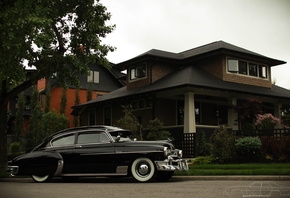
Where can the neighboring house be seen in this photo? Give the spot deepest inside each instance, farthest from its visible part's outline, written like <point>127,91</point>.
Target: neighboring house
<point>100,81</point>
<point>192,90</point>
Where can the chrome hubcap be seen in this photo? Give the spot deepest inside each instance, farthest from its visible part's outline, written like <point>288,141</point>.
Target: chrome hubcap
<point>143,169</point>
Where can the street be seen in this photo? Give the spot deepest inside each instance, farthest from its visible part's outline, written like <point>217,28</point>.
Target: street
<point>127,187</point>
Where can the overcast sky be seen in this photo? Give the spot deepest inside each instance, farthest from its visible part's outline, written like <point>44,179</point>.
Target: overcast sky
<point>262,26</point>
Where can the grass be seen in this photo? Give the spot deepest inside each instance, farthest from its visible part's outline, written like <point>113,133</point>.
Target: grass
<point>238,169</point>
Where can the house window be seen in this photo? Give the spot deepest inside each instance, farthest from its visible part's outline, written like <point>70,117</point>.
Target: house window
<point>247,68</point>
<point>142,104</point>
<point>253,69</point>
<point>93,77</point>
<point>137,72</point>
<point>262,71</point>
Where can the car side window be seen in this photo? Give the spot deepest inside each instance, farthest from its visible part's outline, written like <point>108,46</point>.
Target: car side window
<point>64,141</point>
<point>91,138</point>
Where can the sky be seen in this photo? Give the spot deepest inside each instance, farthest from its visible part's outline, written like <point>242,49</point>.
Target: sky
<point>261,26</point>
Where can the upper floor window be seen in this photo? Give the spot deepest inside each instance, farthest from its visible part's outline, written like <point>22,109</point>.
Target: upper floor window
<point>93,77</point>
<point>138,71</point>
<point>247,68</point>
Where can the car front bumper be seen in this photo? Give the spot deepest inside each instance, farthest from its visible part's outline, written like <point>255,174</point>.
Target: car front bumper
<point>172,165</point>
<point>13,170</point>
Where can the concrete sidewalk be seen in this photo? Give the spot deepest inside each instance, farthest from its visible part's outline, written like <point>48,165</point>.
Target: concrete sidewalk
<point>236,177</point>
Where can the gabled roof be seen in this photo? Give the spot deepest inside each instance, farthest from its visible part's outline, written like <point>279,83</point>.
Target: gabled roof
<point>202,50</point>
<point>193,77</point>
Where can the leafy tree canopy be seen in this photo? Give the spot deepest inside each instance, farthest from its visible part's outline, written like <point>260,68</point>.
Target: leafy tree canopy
<point>48,36</point>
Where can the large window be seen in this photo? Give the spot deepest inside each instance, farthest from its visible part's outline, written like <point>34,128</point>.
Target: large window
<point>93,77</point>
<point>64,141</point>
<point>91,138</point>
<point>206,113</point>
<point>137,72</point>
<point>247,68</point>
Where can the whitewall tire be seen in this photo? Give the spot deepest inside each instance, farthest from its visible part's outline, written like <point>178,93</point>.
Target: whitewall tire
<point>41,179</point>
<point>143,169</point>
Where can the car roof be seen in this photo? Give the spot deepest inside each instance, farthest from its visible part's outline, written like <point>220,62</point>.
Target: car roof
<point>86,128</point>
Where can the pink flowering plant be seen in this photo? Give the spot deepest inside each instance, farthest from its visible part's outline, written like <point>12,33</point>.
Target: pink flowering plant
<point>267,121</point>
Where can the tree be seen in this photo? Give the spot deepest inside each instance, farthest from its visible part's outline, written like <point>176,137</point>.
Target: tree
<point>77,102</point>
<point>156,132</point>
<point>63,101</point>
<point>51,36</point>
<point>130,122</point>
<point>35,126</point>
<point>47,97</point>
<point>19,117</point>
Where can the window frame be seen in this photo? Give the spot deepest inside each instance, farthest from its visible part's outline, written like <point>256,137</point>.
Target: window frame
<point>234,67</point>
<point>135,75</point>
<point>93,77</point>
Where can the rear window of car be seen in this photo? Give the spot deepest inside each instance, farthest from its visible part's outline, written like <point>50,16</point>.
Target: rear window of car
<point>91,138</point>
<point>64,141</point>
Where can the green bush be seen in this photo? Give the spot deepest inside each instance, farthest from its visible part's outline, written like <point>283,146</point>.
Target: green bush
<point>203,147</point>
<point>16,149</point>
<point>156,131</point>
<point>223,145</point>
<point>248,148</point>
<point>204,160</point>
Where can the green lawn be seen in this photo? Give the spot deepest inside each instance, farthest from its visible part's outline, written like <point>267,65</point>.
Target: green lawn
<point>238,169</point>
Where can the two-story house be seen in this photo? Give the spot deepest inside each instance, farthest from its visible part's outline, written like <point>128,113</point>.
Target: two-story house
<point>98,82</point>
<point>190,91</point>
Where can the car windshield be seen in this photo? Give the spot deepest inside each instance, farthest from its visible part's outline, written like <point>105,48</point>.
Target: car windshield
<point>124,135</point>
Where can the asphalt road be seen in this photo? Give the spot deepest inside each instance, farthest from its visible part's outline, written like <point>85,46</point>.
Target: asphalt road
<point>127,188</point>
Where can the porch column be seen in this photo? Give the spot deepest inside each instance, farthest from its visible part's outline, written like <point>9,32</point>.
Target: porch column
<point>232,115</point>
<point>189,113</point>
<point>278,113</point>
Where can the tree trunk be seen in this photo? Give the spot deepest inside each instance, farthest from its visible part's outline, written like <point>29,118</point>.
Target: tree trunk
<point>3,127</point>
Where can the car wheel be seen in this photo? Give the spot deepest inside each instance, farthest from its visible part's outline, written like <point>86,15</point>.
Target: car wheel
<point>143,169</point>
<point>164,175</point>
<point>41,179</point>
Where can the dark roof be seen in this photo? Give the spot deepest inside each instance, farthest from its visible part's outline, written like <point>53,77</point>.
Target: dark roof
<point>193,77</point>
<point>202,50</point>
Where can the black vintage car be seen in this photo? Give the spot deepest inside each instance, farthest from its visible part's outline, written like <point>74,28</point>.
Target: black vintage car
<point>93,151</point>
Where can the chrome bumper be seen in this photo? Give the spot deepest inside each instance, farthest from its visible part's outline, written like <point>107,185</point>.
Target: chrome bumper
<point>172,165</point>
<point>13,170</point>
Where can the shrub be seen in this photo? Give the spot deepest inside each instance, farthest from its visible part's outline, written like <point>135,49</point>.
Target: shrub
<point>156,131</point>
<point>248,147</point>
<point>129,121</point>
<point>16,149</point>
<point>203,147</point>
<point>223,145</point>
<point>267,121</point>
<point>204,160</point>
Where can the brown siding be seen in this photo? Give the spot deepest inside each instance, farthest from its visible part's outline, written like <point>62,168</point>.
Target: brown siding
<point>160,70</point>
<point>213,66</point>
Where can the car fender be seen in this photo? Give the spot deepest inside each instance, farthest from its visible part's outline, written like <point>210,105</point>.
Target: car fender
<point>39,162</point>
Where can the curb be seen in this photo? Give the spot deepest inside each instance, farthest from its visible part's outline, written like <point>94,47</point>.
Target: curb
<point>236,177</point>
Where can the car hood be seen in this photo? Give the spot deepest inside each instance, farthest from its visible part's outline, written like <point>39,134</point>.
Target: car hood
<point>159,143</point>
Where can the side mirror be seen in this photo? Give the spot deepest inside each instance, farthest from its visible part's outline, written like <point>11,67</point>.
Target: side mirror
<point>118,138</point>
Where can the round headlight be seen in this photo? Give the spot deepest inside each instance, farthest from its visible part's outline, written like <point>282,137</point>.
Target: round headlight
<point>180,154</point>
<point>166,151</point>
